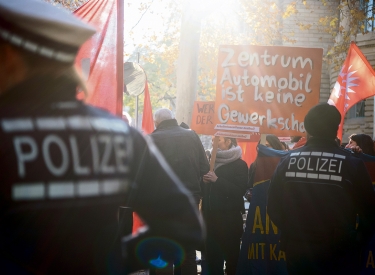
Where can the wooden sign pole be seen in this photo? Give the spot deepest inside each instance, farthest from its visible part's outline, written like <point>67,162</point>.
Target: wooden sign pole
<point>263,139</point>
<point>213,153</point>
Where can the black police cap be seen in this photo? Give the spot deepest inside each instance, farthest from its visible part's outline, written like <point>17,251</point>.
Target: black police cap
<point>323,120</point>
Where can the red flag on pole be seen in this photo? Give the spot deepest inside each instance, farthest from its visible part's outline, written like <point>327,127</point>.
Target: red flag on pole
<point>147,127</point>
<point>147,119</point>
<point>249,151</point>
<point>101,58</point>
<point>355,82</point>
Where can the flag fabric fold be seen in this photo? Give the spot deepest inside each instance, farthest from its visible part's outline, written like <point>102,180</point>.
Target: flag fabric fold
<point>355,82</point>
<point>100,59</point>
<point>249,151</point>
<point>147,119</point>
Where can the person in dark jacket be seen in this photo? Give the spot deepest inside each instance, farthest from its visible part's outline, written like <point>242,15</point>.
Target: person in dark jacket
<point>184,152</point>
<point>315,196</point>
<point>66,167</point>
<point>363,141</point>
<point>273,142</point>
<point>182,149</point>
<point>223,206</point>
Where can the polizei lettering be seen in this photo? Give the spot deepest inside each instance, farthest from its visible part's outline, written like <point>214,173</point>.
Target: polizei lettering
<point>315,165</point>
<point>97,154</point>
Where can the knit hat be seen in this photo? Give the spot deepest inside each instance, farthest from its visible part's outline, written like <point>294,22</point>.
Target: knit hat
<point>323,120</point>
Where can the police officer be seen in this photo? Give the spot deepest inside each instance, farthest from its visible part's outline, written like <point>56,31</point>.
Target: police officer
<point>66,167</point>
<point>315,197</point>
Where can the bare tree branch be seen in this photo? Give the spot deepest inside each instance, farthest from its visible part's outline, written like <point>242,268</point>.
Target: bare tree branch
<point>142,15</point>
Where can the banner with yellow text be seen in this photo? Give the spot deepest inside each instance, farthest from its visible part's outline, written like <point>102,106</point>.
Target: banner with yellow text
<point>260,249</point>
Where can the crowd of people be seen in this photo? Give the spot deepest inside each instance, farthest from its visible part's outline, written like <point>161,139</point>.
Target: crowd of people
<point>321,198</point>
<point>67,168</point>
<point>222,188</point>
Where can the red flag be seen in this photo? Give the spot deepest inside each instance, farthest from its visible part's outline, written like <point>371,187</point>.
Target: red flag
<point>355,82</point>
<point>249,151</point>
<point>137,223</point>
<point>147,127</point>
<point>147,119</point>
<point>101,58</point>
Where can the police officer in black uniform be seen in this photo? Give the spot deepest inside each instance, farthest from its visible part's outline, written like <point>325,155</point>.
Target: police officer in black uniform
<point>66,167</point>
<point>321,198</point>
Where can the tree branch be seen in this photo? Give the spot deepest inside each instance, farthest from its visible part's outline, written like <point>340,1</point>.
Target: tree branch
<point>142,15</point>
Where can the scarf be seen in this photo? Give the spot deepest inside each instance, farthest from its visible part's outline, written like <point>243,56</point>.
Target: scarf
<point>227,156</point>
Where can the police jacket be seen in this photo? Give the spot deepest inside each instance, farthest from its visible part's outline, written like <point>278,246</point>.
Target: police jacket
<point>184,152</point>
<point>318,190</point>
<point>226,193</point>
<point>65,168</point>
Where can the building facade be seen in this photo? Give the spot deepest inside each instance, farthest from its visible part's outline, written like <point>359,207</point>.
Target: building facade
<point>305,29</point>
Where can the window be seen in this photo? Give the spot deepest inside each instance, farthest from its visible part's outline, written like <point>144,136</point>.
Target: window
<point>368,7</point>
<point>357,110</point>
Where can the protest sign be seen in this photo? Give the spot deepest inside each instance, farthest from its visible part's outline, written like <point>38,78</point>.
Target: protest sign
<point>203,123</point>
<point>266,89</point>
<point>203,117</point>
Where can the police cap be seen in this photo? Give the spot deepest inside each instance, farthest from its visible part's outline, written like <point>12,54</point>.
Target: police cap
<point>323,120</point>
<point>43,29</point>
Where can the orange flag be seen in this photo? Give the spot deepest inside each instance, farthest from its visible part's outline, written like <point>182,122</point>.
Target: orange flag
<point>147,119</point>
<point>355,82</point>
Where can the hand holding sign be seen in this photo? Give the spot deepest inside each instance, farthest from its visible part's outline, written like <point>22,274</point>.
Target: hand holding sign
<point>209,177</point>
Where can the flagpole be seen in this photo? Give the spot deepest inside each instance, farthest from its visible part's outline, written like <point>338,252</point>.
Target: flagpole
<point>120,56</point>
<point>136,101</point>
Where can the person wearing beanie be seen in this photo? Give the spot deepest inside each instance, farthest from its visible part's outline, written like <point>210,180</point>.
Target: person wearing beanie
<point>315,195</point>
<point>66,167</point>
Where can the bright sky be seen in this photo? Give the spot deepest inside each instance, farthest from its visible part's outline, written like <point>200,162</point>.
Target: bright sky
<point>149,23</point>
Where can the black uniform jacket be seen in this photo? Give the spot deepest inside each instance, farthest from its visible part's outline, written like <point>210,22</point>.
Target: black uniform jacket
<point>226,193</point>
<point>184,152</point>
<point>65,168</point>
<point>318,190</point>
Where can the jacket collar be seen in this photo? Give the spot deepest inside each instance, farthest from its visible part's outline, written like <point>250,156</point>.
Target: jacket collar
<point>319,141</point>
<point>39,88</point>
<point>167,124</point>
